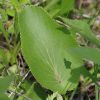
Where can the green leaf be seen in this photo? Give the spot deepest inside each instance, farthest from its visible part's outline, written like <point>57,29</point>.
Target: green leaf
<point>59,7</point>
<point>3,15</point>
<point>1,1</point>
<point>3,96</point>
<point>34,92</point>
<point>1,66</point>
<point>83,28</point>
<point>10,12</point>
<point>4,56</point>
<point>54,95</point>
<point>5,82</point>
<point>66,6</point>
<point>51,4</point>
<point>87,53</point>
<point>53,7</point>
<point>15,3</point>
<point>16,29</point>
<point>44,47</point>
<point>11,29</point>
<point>1,27</point>
<point>23,2</point>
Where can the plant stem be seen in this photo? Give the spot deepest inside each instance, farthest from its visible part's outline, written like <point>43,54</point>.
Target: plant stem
<point>71,98</point>
<point>97,92</point>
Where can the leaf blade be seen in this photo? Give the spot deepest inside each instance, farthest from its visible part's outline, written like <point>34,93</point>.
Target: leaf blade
<point>48,45</point>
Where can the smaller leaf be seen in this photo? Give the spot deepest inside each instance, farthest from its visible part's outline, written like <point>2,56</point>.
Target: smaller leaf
<point>59,97</point>
<point>53,7</point>
<point>24,1</point>
<point>3,15</point>
<point>13,69</point>
<point>66,6</point>
<point>15,3</point>
<point>54,95</point>
<point>59,7</point>
<point>87,53</point>
<point>35,92</point>
<point>1,66</point>
<point>11,29</point>
<point>4,56</point>
<point>5,82</point>
<point>1,27</point>
<point>83,28</point>
<point>51,4</point>
<point>10,12</point>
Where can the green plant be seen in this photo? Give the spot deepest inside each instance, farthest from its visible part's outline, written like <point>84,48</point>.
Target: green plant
<point>44,35</point>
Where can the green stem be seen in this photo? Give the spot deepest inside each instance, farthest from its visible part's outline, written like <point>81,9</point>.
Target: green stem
<point>65,97</point>
<point>97,92</point>
<point>71,98</point>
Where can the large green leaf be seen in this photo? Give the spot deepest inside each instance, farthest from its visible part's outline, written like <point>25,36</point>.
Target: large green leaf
<point>83,28</point>
<point>44,46</point>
